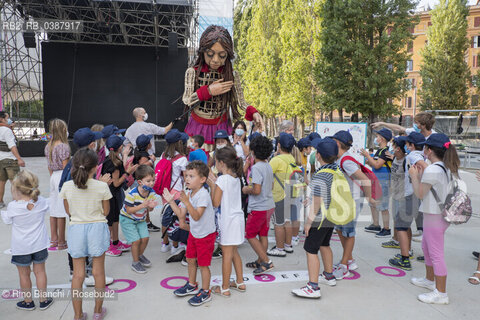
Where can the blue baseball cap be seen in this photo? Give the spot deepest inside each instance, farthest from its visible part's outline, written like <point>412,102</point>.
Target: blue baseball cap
<point>312,136</point>
<point>344,137</point>
<point>438,140</point>
<point>109,130</point>
<point>416,138</point>
<point>254,135</point>
<point>143,140</point>
<point>221,134</point>
<point>315,142</point>
<point>304,143</point>
<point>173,136</point>
<point>114,142</point>
<point>400,141</point>
<point>386,133</point>
<point>84,136</point>
<point>286,140</point>
<point>185,137</point>
<point>327,147</point>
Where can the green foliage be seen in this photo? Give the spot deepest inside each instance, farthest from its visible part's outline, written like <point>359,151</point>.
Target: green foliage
<point>445,73</point>
<point>26,109</point>
<point>362,57</point>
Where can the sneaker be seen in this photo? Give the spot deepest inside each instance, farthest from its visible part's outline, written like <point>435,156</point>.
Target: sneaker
<point>177,257</point>
<point>476,254</point>
<point>176,250</point>
<point>352,265</point>
<point>90,280</point>
<point>307,292</point>
<point>138,268</point>
<point>275,252</point>
<point>217,254</point>
<point>434,297</point>
<point>28,306</point>
<point>45,304</point>
<point>123,246</point>
<point>113,251</point>
<point>101,315</point>
<point>373,228</point>
<point>341,271</point>
<point>201,298</point>
<point>398,256</point>
<point>184,261</point>
<point>417,233</point>
<point>384,233</point>
<point>400,263</point>
<point>331,282</point>
<point>152,228</point>
<point>166,247</point>
<point>417,237</point>
<point>288,249</point>
<point>421,258</point>
<point>391,244</point>
<point>186,290</point>
<point>423,283</point>
<point>144,261</point>
<point>295,241</point>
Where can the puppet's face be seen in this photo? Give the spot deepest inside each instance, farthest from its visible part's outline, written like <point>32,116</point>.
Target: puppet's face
<point>216,56</point>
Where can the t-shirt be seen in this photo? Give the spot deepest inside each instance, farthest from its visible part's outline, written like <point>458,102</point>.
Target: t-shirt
<point>142,127</point>
<point>178,166</point>
<point>198,154</point>
<point>239,149</point>
<point>7,136</point>
<point>397,179</point>
<point>29,233</point>
<point>412,158</point>
<point>383,173</point>
<point>206,224</point>
<point>410,130</point>
<point>133,199</point>
<point>261,174</point>
<point>279,166</point>
<point>85,205</point>
<point>231,220</point>
<point>60,153</point>
<point>321,187</point>
<point>109,167</point>
<point>435,176</point>
<point>349,168</point>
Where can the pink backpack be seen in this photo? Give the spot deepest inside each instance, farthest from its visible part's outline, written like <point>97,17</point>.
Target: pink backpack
<point>163,174</point>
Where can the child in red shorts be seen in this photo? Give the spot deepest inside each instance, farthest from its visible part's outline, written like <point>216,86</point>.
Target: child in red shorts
<point>260,204</point>
<point>201,239</point>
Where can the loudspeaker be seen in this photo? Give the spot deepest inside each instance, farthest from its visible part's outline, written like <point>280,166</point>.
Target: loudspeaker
<point>29,39</point>
<point>172,43</point>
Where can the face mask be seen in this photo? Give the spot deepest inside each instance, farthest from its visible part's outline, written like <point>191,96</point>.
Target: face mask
<point>375,142</point>
<point>9,121</point>
<point>407,151</point>
<point>220,146</point>
<point>416,128</point>
<point>145,116</point>
<point>239,132</point>
<point>190,145</point>
<point>68,133</point>
<point>146,188</point>
<point>391,149</point>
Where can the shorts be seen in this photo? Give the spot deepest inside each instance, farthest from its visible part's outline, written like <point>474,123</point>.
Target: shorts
<point>318,237</point>
<point>201,249</point>
<point>258,223</point>
<point>406,211</point>
<point>88,239</point>
<point>8,169</point>
<point>382,205</point>
<point>348,230</point>
<point>25,260</point>
<point>116,204</point>
<point>180,235</point>
<point>285,213</point>
<point>133,230</point>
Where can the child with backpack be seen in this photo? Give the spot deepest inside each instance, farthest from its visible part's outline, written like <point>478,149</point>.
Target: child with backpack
<point>286,175</point>
<point>381,165</point>
<point>432,184</point>
<point>260,203</point>
<point>169,174</point>
<point>352,170</point>
<point>331,194</point>
<point>227,193</point>
<point>113,165</point>
<point>26,213</point>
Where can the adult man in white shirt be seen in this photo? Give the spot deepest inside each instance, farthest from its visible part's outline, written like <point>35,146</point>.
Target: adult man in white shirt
<point>422,122</point>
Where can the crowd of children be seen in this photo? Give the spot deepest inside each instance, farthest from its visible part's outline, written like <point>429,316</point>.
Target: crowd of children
<point>228,195</point>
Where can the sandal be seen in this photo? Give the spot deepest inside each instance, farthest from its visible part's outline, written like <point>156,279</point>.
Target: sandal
<point>62,246</point>
<point>474,279</point>
<point>236,286</point>
<point>221,292</point>
<point>253,265</point>
<point>53,246</point>
<point>264,267</point>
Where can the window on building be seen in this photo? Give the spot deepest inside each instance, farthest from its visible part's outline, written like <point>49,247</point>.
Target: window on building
<point>476,22</point>
<point>474,62</point>
<point>474,100</point>
<point>408,102</point>
<point>475,42</point>
<point>429,24</point>
<point>410,47</point>
<point>474,81</point>
<point>409,65</point>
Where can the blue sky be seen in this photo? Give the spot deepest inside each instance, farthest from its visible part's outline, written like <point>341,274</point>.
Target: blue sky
<point>432,3</point>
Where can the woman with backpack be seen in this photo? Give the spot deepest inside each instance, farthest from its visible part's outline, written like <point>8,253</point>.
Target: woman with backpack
<point>433,183</point>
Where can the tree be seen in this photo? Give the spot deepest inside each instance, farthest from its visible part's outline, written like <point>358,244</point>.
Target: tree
<point>363,54</point>
<point>445,73</point>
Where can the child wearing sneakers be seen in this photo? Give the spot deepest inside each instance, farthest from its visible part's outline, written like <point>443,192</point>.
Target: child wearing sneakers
<point>432,183</point>
<point>201,240</point>
<point>260,203</point>
<point>26,213</point>
<point>138,202</point>
<point>356,178</point>
<point>318,229</point>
